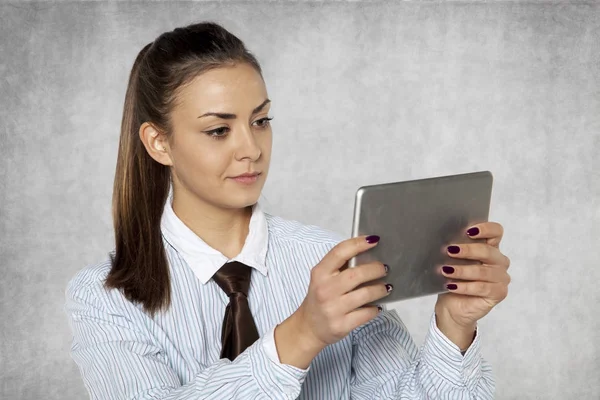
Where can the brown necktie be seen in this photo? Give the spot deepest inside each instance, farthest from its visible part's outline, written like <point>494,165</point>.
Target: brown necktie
<point>239,330</point>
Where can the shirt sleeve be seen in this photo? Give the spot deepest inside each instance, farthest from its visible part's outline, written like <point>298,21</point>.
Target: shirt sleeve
<point>386,364</point>
<point>119,359</point>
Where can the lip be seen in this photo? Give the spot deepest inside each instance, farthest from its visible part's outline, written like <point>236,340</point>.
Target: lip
<point>247,175</point>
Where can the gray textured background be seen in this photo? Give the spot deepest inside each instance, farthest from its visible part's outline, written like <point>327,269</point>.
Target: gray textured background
<point>362,93</point>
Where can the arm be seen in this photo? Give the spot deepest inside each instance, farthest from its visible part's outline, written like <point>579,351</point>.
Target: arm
<point>387,364</point>
<point>120,360</point>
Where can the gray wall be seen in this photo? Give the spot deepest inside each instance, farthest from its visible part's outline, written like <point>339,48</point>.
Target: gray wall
<point>362,93</point>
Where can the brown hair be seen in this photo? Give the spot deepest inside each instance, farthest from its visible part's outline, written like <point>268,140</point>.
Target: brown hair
<point>141,186</point>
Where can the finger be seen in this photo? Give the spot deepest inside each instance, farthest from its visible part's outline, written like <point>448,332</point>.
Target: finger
<point>492,231</point>
<point>480,252</point>
<point>360,316</point>
<point>365,294</point>
<point>350,278</point>
<point>494,292</point>
<point>343,251</point>
<point>483,273</point>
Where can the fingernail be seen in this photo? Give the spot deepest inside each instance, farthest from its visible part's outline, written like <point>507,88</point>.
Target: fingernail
<point>372,239</point>
<point>387,268</point>
<point>380,308</point>
<point>388,287</point>
<point>453,249</point>
<point>451,286</point>
<point>473,231</point>
<point>448,269</point>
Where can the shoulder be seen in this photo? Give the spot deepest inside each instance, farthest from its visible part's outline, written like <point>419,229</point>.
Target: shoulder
<point>89,279</point>
<point>285,230</point>
<point>86,293</point>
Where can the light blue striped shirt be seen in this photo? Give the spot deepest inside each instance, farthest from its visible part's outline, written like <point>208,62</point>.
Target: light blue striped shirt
<point>122,353</point>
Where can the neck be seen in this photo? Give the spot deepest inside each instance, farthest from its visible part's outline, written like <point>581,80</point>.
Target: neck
<point>225,230</point>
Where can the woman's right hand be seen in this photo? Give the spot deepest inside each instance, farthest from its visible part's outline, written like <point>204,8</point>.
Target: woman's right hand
<point>334,305</point>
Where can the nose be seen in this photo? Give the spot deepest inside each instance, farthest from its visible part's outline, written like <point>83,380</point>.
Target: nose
<point>246,146</point>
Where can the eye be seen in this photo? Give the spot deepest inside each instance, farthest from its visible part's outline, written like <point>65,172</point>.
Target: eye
<point>264,122</point>
<point>218,133</point>
<point>221,133</point>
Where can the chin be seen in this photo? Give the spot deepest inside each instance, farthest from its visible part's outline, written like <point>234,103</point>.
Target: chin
<point>243,199</point>
<point>244,196</point>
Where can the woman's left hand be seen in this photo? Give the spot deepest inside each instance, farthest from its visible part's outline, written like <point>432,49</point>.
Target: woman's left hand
<point>481,286</point>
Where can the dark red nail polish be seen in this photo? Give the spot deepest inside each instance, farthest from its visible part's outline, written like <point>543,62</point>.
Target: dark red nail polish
<point>451,286</point>
<point>448,269</point>
<point>372,239</point>
<point>473,231</point>
<point>380,308</point>
<point>453,249</point>
<point>388,287</point>
<point>387,268</point>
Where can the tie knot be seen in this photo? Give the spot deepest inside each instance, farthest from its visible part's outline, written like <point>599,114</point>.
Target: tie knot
<point>234,278</point>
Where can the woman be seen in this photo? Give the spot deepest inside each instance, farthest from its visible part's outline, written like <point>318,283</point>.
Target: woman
<point>168,316</point>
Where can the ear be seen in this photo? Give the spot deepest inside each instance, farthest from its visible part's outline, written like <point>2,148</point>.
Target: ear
<point>156,144</point>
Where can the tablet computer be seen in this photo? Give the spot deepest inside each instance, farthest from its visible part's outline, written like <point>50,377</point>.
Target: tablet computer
<point>416,220</point>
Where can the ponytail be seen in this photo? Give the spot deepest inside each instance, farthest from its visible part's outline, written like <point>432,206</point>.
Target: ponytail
<point>141,186</point>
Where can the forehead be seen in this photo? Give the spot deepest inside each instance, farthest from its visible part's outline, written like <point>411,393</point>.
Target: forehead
<point>226,89</point>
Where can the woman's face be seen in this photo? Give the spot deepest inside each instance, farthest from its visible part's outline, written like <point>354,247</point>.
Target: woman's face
<point>221,131</point>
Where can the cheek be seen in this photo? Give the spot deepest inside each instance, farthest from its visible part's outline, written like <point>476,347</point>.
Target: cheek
<point>203,164</point>
<point>266,145</point>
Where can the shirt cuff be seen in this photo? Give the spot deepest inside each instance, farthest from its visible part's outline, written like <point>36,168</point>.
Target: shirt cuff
<point>274,377</point>
<point>270,347</point>
<point>445,357</point>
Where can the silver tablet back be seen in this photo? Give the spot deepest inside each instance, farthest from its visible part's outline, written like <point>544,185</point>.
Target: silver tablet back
<point>416,221</point>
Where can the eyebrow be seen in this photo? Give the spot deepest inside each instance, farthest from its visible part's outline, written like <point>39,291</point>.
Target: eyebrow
<point>233,116</point>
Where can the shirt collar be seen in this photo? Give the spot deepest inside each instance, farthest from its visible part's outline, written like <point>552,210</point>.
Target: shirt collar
<point>205,260</point>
